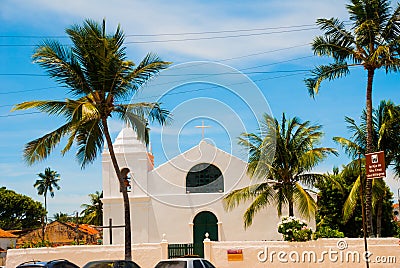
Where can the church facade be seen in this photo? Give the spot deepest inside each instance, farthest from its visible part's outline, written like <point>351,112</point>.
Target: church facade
<point>182,198</point>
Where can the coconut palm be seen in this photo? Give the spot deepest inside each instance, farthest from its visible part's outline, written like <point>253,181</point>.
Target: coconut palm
<point>281,156</point>
<point>373,42</point>
<point>97,73</point>
<point>385,135</point>
<point>47,183</point>
<point>93,212</point>
<point>61,217</point>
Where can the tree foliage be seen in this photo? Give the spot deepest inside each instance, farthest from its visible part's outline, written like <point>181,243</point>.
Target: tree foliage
<point>332,195</point>
<point>282,157</point>
<point>386,137</point>
<point>47,183</point>
<point>373,43</point>
<point>93,212</point>
<point>97,73</point>
<point>19,211</point>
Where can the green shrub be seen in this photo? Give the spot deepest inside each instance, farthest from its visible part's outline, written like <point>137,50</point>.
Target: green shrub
<point>327,232</point>
<point>294,229</point>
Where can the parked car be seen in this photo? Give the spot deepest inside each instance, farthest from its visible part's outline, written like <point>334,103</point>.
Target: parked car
<point>111,264</point>
<point>185,263</point>
<point>48,264</point>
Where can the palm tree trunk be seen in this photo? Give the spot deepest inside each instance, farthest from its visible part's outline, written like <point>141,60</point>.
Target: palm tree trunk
<point>45,207</point>
<point>379,217</point>
<point>127,212</point>
<point>368,186</point>
<point>291,209</point>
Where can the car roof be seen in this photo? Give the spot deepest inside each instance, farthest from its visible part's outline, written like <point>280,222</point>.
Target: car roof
<point>184,259</point>
<point>40,263</point>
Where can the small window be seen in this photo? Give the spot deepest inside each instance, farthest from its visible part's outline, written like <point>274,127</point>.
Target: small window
<point>204,178</point>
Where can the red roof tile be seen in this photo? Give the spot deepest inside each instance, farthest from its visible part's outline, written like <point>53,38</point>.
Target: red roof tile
<point>85,228</point>
<point>5,234</point>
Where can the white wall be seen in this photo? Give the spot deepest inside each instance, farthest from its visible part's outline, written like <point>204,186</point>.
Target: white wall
<point>7,242</point>
<point>147,255</point>
<point>160,204</point>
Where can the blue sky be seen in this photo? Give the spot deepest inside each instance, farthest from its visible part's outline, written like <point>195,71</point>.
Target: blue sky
<point>267,41</point>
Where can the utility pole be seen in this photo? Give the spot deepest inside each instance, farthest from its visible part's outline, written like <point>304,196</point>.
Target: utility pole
<point>363,211</point>
<point>77,228</point>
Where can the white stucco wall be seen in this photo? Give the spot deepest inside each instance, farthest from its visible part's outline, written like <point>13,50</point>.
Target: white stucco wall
<point>329,253</point>
<point>159,201</point>
<point>7,242</point>
<point>146,255</point>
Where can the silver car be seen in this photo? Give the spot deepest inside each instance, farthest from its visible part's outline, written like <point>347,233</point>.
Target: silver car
<point>185,263</point>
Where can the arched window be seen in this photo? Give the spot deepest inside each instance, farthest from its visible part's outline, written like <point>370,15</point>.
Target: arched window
<point>204,178</point>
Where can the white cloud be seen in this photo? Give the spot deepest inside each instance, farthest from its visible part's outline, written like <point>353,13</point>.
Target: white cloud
<point>157,17</point>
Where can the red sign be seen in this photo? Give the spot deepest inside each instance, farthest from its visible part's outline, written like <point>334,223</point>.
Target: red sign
<point>375,165</point>
<point>235,254</point>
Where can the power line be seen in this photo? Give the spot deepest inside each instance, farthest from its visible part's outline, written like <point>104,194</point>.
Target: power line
<point>169,34</point>
<point>217,37</point>
<point>178,93</point>
<point>202,76</point>
<point>12,115</point>
<point>24,90</point>
<point>192,38</point>
<point>227,59</point>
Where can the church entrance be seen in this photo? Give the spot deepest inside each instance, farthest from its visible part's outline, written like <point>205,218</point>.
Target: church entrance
<point>204,222</point>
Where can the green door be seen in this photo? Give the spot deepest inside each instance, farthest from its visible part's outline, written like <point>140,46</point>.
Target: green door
<point>204,222</point>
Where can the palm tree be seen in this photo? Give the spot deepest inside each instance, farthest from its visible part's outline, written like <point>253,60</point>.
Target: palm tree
<point>373,43</point>
<point>47,182</point>
<point>61,217</point>
<point>97,73</point>
<point>93,212</point>
<point>385,135</point>
<point>282,156</point>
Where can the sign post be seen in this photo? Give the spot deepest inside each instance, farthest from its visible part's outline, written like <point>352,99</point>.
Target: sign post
<point>375,165</point>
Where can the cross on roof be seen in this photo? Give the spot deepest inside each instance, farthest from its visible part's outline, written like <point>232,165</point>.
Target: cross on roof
<point>202,129</point>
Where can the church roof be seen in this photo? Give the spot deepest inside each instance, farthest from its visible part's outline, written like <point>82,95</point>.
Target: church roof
<point>204,151</point>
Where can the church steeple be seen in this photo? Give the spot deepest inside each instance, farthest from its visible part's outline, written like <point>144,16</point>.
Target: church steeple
<point>127,141</point>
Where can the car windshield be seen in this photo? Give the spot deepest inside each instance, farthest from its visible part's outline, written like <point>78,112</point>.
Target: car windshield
<point>31,266</point>
<point>172,264</point>
<point>208,264</point>
<point>111,264</point>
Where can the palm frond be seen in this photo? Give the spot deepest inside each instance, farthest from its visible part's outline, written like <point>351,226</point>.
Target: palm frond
<point>261,201</point>
<point>351,148</point>
<point>323,72</point>
<point>90,140</point>
<point>49,107</point>
<point>147,68</point>
<point>336,42</point>
<point>61,65</point>
<point>305,204</point>
<point>40,148</point>
<point>310,179</point>
<point>234,198</point>
<point>352,200</point>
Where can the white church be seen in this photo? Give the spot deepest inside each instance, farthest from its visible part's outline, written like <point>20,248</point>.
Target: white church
<point>182,198</point>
